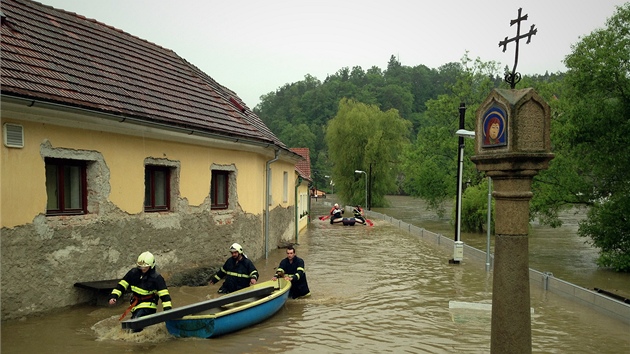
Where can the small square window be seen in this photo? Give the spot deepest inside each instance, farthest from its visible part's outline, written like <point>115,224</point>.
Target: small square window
<point>66,187</point>
<point>157,188</point>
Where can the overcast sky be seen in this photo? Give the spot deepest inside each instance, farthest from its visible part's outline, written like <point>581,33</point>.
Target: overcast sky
<point>254,47</point>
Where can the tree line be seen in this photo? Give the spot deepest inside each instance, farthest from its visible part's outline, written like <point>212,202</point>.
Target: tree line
<point>399,125</point>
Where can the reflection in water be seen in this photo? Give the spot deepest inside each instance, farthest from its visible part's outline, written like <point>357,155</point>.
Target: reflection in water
<point>374,290</point>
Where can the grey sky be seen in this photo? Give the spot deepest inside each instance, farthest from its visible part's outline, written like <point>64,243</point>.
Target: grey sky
<point>254,47</point>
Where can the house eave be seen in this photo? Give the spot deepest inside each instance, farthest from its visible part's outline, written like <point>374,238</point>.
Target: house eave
<point>30,109</point>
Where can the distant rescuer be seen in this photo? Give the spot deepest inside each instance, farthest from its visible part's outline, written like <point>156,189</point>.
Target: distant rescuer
<point>358,214</point>
<point>336,212</point>
<point>147,286</point>
<point>240,272</point>
<point>292,269</point>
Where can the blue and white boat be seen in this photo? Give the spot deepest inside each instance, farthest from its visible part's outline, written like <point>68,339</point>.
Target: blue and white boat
<point>249,306</point>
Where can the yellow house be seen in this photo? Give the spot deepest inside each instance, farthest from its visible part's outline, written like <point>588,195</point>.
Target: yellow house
<point>112,146</point>
<point>303,169</point>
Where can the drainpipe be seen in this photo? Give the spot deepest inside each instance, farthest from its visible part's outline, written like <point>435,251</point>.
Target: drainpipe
<point>298,181</point>
<point>267,191</point>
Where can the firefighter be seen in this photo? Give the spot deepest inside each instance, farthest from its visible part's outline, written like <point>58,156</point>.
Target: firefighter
<point>146,285</point>
<point>292,269</point>
<point>240,271</point>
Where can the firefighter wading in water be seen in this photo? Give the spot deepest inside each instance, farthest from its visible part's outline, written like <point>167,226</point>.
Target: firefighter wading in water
<point>147,285</point>
<point>240,271</point>
<point>292,269</point>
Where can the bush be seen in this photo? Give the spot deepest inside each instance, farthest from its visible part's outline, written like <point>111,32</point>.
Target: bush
<point>475,208</point>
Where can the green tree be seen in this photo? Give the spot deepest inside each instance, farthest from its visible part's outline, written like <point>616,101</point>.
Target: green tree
<point>298,136</point>
<point>595,133</point>
<point>430,165</point>
<point>313,103</point>
<point>362,137</point>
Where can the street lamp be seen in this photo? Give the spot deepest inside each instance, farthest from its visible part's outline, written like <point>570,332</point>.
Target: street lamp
<point>463,133</point>
<point>332,185</point>
<point>365,173</point>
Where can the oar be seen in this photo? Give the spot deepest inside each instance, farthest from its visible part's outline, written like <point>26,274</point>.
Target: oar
<point>369,222</point>
<point>324,217</point>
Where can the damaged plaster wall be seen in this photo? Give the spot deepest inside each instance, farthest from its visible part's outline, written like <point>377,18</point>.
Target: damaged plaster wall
<point>42,260</point>
<point>52,256</point>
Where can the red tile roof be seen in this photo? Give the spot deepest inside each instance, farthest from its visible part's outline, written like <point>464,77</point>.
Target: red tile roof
<point>304,166</point>
<point>61,57</point>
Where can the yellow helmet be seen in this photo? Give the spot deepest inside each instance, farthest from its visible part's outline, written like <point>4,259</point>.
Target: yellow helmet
<point>146,259</point>
<point>236,248</point>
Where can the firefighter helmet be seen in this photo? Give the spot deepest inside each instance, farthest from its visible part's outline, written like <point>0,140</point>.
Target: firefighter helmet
<point>146,259</point>
<point>236,248</point>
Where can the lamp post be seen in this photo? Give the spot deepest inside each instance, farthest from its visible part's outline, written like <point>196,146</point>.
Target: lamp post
<point>470,134</point>
<point>458,246</point>
<point>463,133</point>
<point>332,185</point>
<point>365,173</point>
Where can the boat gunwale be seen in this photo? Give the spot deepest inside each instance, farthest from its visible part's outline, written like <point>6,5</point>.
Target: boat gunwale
<point>278,292</point>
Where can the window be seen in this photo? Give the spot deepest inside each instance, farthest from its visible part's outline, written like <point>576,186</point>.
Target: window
<point>157,191</point>
<point>66,187</point>
<point>285,187</point>
<point>219,187</point>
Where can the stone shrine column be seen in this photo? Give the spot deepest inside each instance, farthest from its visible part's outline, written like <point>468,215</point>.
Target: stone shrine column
<point>512,143</point>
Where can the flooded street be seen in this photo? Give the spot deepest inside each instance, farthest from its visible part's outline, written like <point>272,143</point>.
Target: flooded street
<point>374,290</point>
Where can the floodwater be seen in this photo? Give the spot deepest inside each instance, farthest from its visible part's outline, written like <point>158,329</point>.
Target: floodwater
<point>374,290</point>
<point>559,251</point>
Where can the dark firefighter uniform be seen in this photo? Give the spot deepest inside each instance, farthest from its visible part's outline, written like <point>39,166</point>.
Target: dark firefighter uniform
<point>146,289</point>
<point>295,270</point>
<point>239,273</point>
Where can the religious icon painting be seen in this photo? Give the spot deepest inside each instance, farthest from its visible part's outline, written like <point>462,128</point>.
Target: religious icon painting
<point>494,124</point>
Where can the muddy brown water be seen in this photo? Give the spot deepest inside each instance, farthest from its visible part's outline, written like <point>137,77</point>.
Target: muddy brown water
<point>559,251</point>
<point>374,290</point>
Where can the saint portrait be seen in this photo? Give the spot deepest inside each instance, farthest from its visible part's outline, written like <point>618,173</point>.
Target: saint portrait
<point>494,127</point>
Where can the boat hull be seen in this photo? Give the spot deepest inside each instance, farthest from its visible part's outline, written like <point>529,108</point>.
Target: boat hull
<point>233,318</point>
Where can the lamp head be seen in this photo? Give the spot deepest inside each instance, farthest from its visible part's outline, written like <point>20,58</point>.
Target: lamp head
<point>465,133</point>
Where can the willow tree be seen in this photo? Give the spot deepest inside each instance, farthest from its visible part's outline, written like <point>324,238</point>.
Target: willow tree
<point>362,137</point>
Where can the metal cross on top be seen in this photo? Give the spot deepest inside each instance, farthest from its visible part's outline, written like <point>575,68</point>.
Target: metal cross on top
<point>514,77</point>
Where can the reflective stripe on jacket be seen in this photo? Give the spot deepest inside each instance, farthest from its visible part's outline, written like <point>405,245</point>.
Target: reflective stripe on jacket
<point>238,272</point>
<point>296,271</point>
<point>148,287</point>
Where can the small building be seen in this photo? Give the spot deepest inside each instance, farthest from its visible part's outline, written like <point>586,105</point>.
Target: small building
<point>112,146</point>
